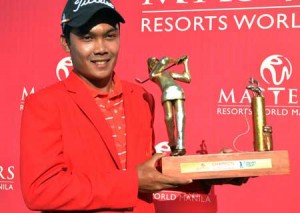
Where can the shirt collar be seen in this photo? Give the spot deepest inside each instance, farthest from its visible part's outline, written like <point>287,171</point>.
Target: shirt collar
<point>116,90</point>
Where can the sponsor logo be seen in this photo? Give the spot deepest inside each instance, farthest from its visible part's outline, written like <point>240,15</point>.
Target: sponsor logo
<point>270,65</point>
<point>281,100</point>
<point>162,2</point>
<point>219,15</point>
<point>182,197</point>
<point>62,69</point>
<point>7,177</point>
<point>62,72</point>
<point>162,147</point>
<point>82,3</point>
<point>25,93</point>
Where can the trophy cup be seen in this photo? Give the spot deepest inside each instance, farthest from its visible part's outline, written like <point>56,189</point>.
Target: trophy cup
<point>259,162</point>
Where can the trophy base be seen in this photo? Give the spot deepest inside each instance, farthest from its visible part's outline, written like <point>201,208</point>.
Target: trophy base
<point>227,165</point>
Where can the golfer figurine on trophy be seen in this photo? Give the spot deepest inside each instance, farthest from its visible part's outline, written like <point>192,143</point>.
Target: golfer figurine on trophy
<point>172,97</point>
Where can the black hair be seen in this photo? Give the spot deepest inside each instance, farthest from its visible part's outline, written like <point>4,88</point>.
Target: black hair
<point>66,33</point>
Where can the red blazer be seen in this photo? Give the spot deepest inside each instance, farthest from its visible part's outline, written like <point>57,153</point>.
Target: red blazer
<point>68,157</point>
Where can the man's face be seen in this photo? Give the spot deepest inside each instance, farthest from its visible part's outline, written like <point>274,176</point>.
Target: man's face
<point>94,53</point>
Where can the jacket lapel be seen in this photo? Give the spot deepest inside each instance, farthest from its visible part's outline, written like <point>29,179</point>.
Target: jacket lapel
<point>81,96</point>
<point>135,126</point>
<point>132,127</point>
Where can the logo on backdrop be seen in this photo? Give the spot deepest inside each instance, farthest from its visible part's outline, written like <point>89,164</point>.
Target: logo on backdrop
<point>219,15</point>
<point>7,177</point>
<point>182,197</point>
<point>62,72</point>
<point>281,100</point>
<point>62,69</point>
<point>25,93</point>
<point>271,64</point>
<point>162,147</point>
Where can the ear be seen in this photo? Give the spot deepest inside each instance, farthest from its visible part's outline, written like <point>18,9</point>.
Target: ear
<point>64,43</point>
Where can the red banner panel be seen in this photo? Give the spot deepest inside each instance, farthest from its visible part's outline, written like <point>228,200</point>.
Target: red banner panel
<point>226,41</point>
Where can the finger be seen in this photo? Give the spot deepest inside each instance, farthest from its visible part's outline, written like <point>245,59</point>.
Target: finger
<point>176,181</point>
<point>239,181</point>
<point>158,156</point>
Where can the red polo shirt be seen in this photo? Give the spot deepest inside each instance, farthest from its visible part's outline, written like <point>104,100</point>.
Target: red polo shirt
<point>111,105</point>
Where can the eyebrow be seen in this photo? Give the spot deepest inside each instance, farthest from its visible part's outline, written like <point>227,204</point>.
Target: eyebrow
<point>113,29</point>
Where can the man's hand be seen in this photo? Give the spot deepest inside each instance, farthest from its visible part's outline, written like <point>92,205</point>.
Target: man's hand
<point>151,180</point>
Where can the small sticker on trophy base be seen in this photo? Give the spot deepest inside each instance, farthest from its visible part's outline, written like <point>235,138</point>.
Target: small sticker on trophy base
<point>229,165</point>
<point>225,165</point>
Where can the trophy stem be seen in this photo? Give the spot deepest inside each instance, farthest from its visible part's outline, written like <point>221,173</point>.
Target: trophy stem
<point>259,121</point>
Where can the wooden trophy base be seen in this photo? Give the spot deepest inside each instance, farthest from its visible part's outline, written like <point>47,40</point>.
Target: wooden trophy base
<point>227,165</point>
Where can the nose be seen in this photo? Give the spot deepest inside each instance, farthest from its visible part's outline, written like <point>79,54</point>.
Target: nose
<point>100,46</point>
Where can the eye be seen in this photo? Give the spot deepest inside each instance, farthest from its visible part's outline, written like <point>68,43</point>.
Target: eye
<point>86,37</point>
<point>112,35</point>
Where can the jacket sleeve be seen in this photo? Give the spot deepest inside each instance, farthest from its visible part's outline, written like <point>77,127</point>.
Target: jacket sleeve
<point>47,180</point>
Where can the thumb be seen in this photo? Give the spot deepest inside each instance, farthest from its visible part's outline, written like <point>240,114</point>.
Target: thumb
<point>156,157</point>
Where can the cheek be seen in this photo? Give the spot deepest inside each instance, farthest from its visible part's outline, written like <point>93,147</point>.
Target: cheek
<point>79,54</point>
<point>115,47</point>
<point>77,60</point>
<point>116,55</point>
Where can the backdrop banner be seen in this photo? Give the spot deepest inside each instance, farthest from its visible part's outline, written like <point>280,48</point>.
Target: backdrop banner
<point>227,42</point>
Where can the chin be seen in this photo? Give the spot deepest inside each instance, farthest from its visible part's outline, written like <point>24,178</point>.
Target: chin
<point>103,75</point>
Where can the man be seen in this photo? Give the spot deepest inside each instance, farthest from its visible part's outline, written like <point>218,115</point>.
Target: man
<point>172,98</point>
<point>87,142</point>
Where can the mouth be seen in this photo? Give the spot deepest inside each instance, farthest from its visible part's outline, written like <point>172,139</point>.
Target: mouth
<point>100,62</point>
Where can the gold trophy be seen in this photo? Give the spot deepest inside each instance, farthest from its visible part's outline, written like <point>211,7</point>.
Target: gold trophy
<point>262,161</point>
